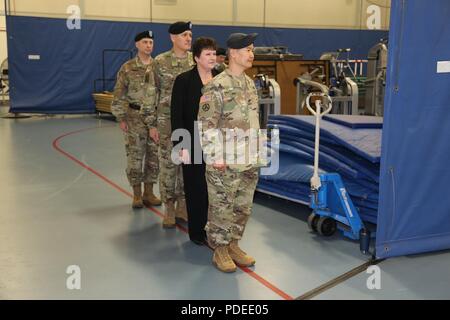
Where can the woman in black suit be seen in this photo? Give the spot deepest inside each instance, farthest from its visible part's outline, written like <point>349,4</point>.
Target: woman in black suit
<point>186,94</point>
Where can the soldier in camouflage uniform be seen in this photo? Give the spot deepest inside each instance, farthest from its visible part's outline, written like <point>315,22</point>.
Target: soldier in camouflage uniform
<point>230,102</point>
<point>134,106</point>
<point>221,55</point>
<point>168,66</point>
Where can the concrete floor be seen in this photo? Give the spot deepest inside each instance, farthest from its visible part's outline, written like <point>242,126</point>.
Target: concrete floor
<point>64,201</point>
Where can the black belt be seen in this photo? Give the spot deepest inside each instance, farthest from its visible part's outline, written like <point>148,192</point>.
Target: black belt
<point>135,106</point>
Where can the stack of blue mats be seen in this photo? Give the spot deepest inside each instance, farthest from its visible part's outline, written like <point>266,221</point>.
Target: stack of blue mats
<point>349,145</point>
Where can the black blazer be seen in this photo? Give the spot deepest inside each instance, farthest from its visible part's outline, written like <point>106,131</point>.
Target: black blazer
<point>186,94</point>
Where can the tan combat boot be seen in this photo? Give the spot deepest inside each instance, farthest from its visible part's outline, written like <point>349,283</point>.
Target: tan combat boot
<point>137,197</point>
<point>169,215</point>
<point>149,198</point>
<point>222,260</point>
<point>239,256</point>
<point>181,211</point>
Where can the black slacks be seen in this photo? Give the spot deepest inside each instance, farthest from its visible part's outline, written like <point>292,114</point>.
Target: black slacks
<point>196,193</point>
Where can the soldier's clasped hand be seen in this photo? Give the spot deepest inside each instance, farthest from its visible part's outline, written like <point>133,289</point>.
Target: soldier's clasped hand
<point>124,126</point>
<point>154,134</point>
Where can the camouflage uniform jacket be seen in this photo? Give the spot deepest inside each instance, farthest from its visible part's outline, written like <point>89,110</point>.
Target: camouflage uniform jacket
<point>136,84</point>
<point>220,67</point>
<point>167,68</point>
<point>230,104</point>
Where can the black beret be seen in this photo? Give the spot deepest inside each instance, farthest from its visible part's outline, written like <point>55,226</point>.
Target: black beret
<point>143,34</point>
<point>221,52</point>
<point>240,40</point>
<point>180,27</point>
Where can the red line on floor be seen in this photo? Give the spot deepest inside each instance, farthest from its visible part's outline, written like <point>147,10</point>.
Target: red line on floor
<point>250,272</point>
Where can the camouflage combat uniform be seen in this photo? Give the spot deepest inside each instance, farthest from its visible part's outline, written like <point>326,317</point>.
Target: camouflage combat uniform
<point>167,68</point>
<point>220,67</point>
<point>136,85</point>
<point>228,102</point>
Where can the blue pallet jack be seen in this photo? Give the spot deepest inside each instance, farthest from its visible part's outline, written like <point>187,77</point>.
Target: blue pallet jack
<point>331,204</point>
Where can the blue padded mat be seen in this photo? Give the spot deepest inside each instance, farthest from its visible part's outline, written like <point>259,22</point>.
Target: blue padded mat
<point>340,154</point>
<point>364,142</point>
<point>295,170</point>
<point>353,153</point>
<point>344,170</point>
<point>355,122</point>
<point>307,134</point>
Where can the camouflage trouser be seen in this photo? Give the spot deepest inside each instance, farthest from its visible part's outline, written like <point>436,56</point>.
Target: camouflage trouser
<point>171,176</point>
<point>139,148</point>
<point>230,197</point>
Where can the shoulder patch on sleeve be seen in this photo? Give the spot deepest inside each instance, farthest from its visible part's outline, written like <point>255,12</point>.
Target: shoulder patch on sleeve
<point>206,107</point>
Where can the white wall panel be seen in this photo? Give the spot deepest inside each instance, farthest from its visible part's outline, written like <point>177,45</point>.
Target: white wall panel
<point>140,10</point>
<point>197,11</point>
<point>250,12</point>
<point>44,8</point>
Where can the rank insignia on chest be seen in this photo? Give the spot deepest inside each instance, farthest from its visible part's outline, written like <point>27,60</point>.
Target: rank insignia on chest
<point>205,107</point>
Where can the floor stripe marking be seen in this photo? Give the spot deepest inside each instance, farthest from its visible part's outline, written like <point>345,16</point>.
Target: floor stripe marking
<point>338,280</point>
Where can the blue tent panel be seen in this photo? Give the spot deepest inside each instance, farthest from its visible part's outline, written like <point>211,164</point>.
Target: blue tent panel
<point>414,204</point>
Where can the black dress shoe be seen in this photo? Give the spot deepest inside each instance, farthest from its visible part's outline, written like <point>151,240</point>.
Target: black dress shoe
<point>199,242</point>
